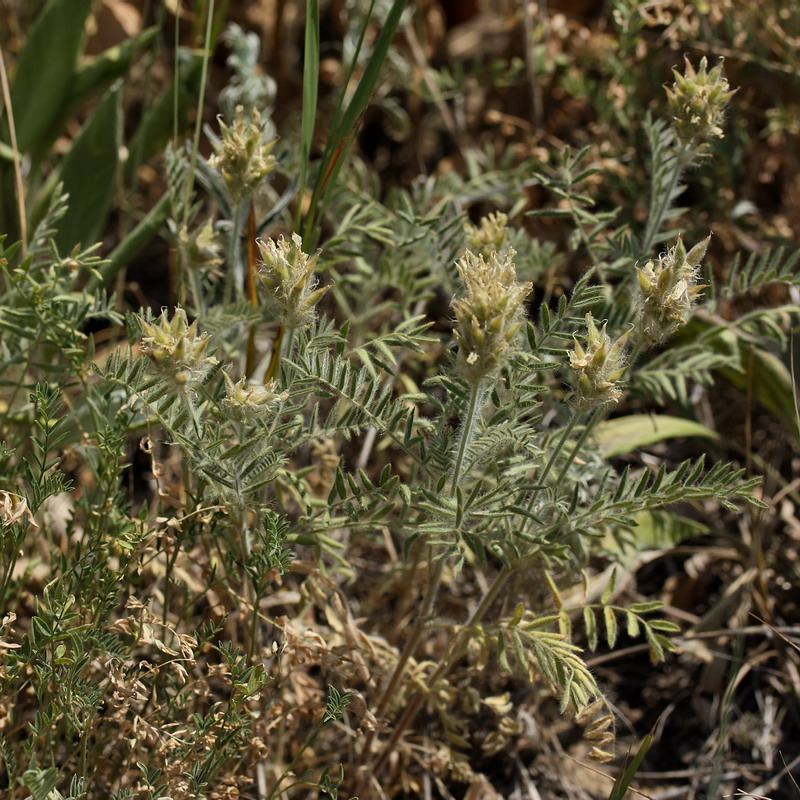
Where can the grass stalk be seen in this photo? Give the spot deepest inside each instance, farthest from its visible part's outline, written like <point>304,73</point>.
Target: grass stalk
<point>12,128</point>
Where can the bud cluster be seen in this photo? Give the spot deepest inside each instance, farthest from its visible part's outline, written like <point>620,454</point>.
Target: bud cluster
<point>249,401</point>
<point>176,349</point>
<point>242,157</point>
<point>201,249</point>
<point>287,273</point>
<point>599,366</point>
<point>490,314</point>
<point>491,236</point>
<point>667,291</point>
<point>697,101</point>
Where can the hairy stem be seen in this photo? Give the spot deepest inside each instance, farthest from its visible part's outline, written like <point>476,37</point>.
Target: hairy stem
<point>552,460</point>
<point>660,205</point>
<point>477,392</point>
<point>581,441</point>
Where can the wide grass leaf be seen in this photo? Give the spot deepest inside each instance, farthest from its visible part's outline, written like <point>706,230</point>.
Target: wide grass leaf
<point>626,434</point>
<point>46,70</point>
<point>89,173</point>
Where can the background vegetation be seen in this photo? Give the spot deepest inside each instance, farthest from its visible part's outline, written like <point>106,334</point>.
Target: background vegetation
<point>379,510</point>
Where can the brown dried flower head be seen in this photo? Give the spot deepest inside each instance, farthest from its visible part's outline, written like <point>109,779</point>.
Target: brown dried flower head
<point>13,508</point>
<point>668,290</point>
<point>489,316</point>
<point>287,274</point>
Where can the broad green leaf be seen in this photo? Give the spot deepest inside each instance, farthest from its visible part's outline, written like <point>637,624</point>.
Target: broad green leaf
<point>96,75</point>
<point>89,173</point>
<point>310,89</point>
<point>626,434</point>
<point>158,122</point>
<point>769,380</point>
<point>46,70</point>
<point>752,368</point>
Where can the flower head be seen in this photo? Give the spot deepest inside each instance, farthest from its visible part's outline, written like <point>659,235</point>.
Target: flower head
<point>667,291</point>
<point>599,366</point>
<point>249,401</point>
<point>175,348</point>
<point>242,157</point>
<point>490,236</point>
<point>697,101</point>
<point>489,315</point>
<point>201,249</point>
<point>287,273</point>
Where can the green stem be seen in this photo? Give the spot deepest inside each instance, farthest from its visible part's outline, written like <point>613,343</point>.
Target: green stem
<point>581,441</point>
<point>477,391</point>
<point>194,287</point>
<point>660,205</point>
<point>254,624</point>
<point>189,186</point>
<point>173,557</point>
<point>287,345</point>
<point>553,456</point>
<point>281,350</point>
<point>235,279</point>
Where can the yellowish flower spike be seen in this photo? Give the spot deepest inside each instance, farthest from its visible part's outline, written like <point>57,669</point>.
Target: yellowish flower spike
<point>599,366</point>
<point>250,401</point>
<point>176,349</point>
<point>242,157</point>
<point>667,291</point>
<point>491,236</point>
<point>287,274</point>
<point>201,249</point>
<point>697,101</point>
<point>490,314</point>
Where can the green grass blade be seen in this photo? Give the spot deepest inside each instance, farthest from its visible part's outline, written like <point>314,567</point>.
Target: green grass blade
<point>310,91</point>
<point>366,85</point>
<point>352,68</point>
<point>89,173</point>
<point>98,73</point>
<point>624,781</point>
<point>46,71</point>
<point>344,130</point>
